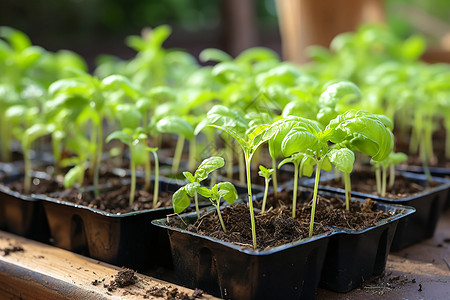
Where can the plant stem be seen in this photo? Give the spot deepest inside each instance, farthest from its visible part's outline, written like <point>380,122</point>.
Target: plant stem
<point>156,180</point>
<point>229,154</point>
<point>266,190</point>
<point>294,197</point>
<point>348,190</point>
<point>148,173</point>
<point>27,166</point>
<point>313,210</point>
<point>378,179</point>
<point>99,157</point>
<point>241,161</point>
<point>5,138</point>
<point>391,176</point>
<point>93,161</point>
<point>133,176</point>
<point>219,215</point>
<point>250,200</point>
<point>178,153</point>
<point>196,204</point>
<point>383,182</point>
<point>192,153</point>
<point>274,178</point>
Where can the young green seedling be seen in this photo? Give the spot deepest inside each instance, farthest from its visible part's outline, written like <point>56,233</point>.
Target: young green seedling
<point>134,140</point>
<point>381,170</point>
<point>181,198</point>
<point>176,125</point>
<point>222,190</point>
<point>343,159</point>
<point>249,139</point>
<point>266,173</point>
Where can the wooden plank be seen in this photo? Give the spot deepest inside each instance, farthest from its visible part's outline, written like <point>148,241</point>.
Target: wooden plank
<point>45,272</point>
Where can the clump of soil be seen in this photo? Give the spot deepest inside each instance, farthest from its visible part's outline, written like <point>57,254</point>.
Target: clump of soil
<point>11,249</point>
<point>365,182</point>
<point>172,293</point>
<point>276,226</point>
<point>386,282</point>
<point>123,279</point>
<point>116,200</point>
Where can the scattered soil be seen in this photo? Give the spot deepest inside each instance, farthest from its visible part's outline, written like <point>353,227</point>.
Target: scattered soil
<point>276,226</point>
<point>384,283</point>
<point>365,182</point>
<point>172,293</point>
<point>38,186</point>
<point>11,249</point>
<point>116,200</point>
<point>123,279</point>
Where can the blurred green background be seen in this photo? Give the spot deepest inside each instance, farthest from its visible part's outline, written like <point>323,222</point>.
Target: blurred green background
<point>93,27</point>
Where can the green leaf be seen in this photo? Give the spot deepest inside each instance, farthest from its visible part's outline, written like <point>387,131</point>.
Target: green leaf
<point>34,132</point>
<point>115,82</point>
<point>120,135</point>
<point>265,172</point>
<point>396,158</point>
<point>216,55</point>
<point>205,192</point>
<point>128,116</point>
<point>140,154</point>
<point>180,200</point>
<point>74,175</point>
<point>298,140</point>
<point>227,191</point>
<point>207,166</point>
<point>343,159</point>
<point>191,188</point>
<point>176,125</point>
<point>189,176</point>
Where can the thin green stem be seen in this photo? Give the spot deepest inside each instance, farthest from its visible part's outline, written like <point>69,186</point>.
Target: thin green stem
<point>220,216</point>
<point>274,178</point>
<point>133,177</point>
<point>348,190</point>
<point>5,138</point>
<point>314,200</point>
<point>229,155</point>
<point>391,176</point>
<point>383,182</point>
<point>250,200</point>
<point>241,160</point>
<point>98,158</point>
<point>294,196</point>
<point>192,153</point>
<point>147,173</point>
<point>196,204</point>
<point>156,180</point>
<point>27,166</point>
<point>178,153</point>
<point>266,190</point>
<point>378,179</point>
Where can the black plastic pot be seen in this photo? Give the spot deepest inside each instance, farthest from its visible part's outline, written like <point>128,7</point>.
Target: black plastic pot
<point>22,214</point>
<point>229,271</point>
<point>418,226</point>
<point>126,239</point>
<point>355,256</point>
<point>434,171</point>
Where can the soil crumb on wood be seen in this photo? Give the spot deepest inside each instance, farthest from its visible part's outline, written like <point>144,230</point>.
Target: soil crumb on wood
<point>11,249</point>
<point>172,293</point>
<point>123,279</point>
<point>386,282</point>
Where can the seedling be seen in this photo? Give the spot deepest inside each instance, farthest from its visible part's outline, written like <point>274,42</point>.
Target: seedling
<point>181,198</point>
<point>381,170</point>
<point>222,190</point>
<point>266,173</point>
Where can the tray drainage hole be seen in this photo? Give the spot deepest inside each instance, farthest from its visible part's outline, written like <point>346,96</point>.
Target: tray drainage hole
<point>78,240</point>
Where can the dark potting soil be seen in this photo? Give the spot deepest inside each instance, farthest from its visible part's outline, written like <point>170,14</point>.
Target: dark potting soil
<point>123,279</point>
<point>365,182</point>
<point>116,199</point>
<point>38,186</point>
<point>11,249</point>
<point>276,226</point>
